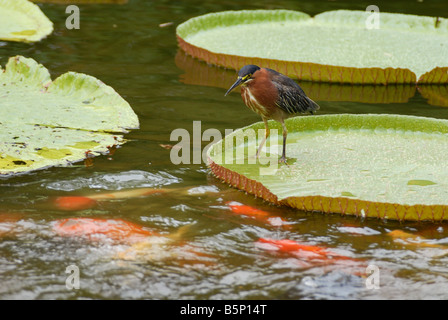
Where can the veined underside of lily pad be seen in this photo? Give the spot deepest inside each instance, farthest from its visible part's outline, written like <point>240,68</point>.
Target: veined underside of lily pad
<point>203,74</point>
<point>384,166</point>
<point>22,20</point>
<point>199,73</point>
<point>334,46</point>
<point>54,123</point>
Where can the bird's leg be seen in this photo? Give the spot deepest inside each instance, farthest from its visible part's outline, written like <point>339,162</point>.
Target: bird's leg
<point>285,134</point>
<point>266,135</point>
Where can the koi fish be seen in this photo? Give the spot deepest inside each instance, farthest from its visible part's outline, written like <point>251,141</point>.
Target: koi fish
<point>72,203</point>
<point>115,229</point>
<point>298,249</point>
<point>162,248</point>
<point>8,222</point>
<point>134,193</point>
<point>143,244</point>
<point>257,214</point>
<point>413,240</point>
<point>313,256</point>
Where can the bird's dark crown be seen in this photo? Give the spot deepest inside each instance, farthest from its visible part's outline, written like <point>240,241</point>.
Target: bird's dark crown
<point>248,70</point>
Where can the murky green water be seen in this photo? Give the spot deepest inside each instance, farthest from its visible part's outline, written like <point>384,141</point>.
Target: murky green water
<point>217,256</point>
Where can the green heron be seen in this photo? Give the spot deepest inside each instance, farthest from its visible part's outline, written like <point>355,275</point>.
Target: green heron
<point>274,96</point>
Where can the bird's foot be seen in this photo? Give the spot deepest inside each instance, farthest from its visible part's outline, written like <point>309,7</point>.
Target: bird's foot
<point>283,160</point>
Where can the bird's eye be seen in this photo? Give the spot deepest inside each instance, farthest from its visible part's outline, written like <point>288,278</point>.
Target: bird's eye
<point>246,77</point>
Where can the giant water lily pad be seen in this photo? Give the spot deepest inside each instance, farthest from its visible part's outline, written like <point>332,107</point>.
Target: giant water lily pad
<point>21,20</point>
<point>334,46</point>
<point>384,166</point>
<point>49,123</point>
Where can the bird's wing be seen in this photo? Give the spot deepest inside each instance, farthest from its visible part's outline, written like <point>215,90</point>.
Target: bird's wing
<point>291,98</point>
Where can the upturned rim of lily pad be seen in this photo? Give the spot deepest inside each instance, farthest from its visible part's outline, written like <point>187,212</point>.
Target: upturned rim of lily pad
<point>308,70</point>
<point>304,198</point>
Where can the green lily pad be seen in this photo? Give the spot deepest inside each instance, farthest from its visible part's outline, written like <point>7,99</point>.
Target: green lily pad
<point>51,123</point>
<point>384,166</point>
<point>334,46</point>
<point>22,20</point>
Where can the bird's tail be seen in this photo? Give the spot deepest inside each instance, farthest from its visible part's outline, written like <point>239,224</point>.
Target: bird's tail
<point>312,106</point>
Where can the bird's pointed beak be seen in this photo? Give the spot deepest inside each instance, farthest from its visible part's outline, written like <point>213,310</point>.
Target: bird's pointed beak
<point>236,84</point>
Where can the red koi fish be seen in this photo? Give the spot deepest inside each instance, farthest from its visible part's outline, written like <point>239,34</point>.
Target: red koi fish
<point>257,214</point>
<point>298,249</point>
<point>313,256</point>
<point>114,229</point>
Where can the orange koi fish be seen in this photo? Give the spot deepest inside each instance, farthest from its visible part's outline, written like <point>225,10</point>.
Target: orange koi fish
<point>72,203</point>
<point>143,244</point>
<point>413,240</point>
<point>299,249</point>
<point>255,213</point>
<point>114,229</point>
<point>8,222</point>
<point>313,256</point>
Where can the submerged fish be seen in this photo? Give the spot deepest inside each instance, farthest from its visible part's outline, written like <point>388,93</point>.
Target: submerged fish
<point>300,250</point>
<point>142,244</point>
<point>312,256</point>
<point>72,203</point>
<point>133,193</point>
<point>162,248</point>
<point>256,214</point>
<point>413,240</point>
<point>114,229</point>
<point>8,222</point>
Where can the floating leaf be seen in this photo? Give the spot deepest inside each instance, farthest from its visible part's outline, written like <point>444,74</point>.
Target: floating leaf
<point>384,166</point>
<point>21,20</point>
<point>334,46</point>
<point>45,123</point>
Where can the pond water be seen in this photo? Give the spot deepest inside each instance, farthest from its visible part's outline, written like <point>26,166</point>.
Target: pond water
<point>199,247</point>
